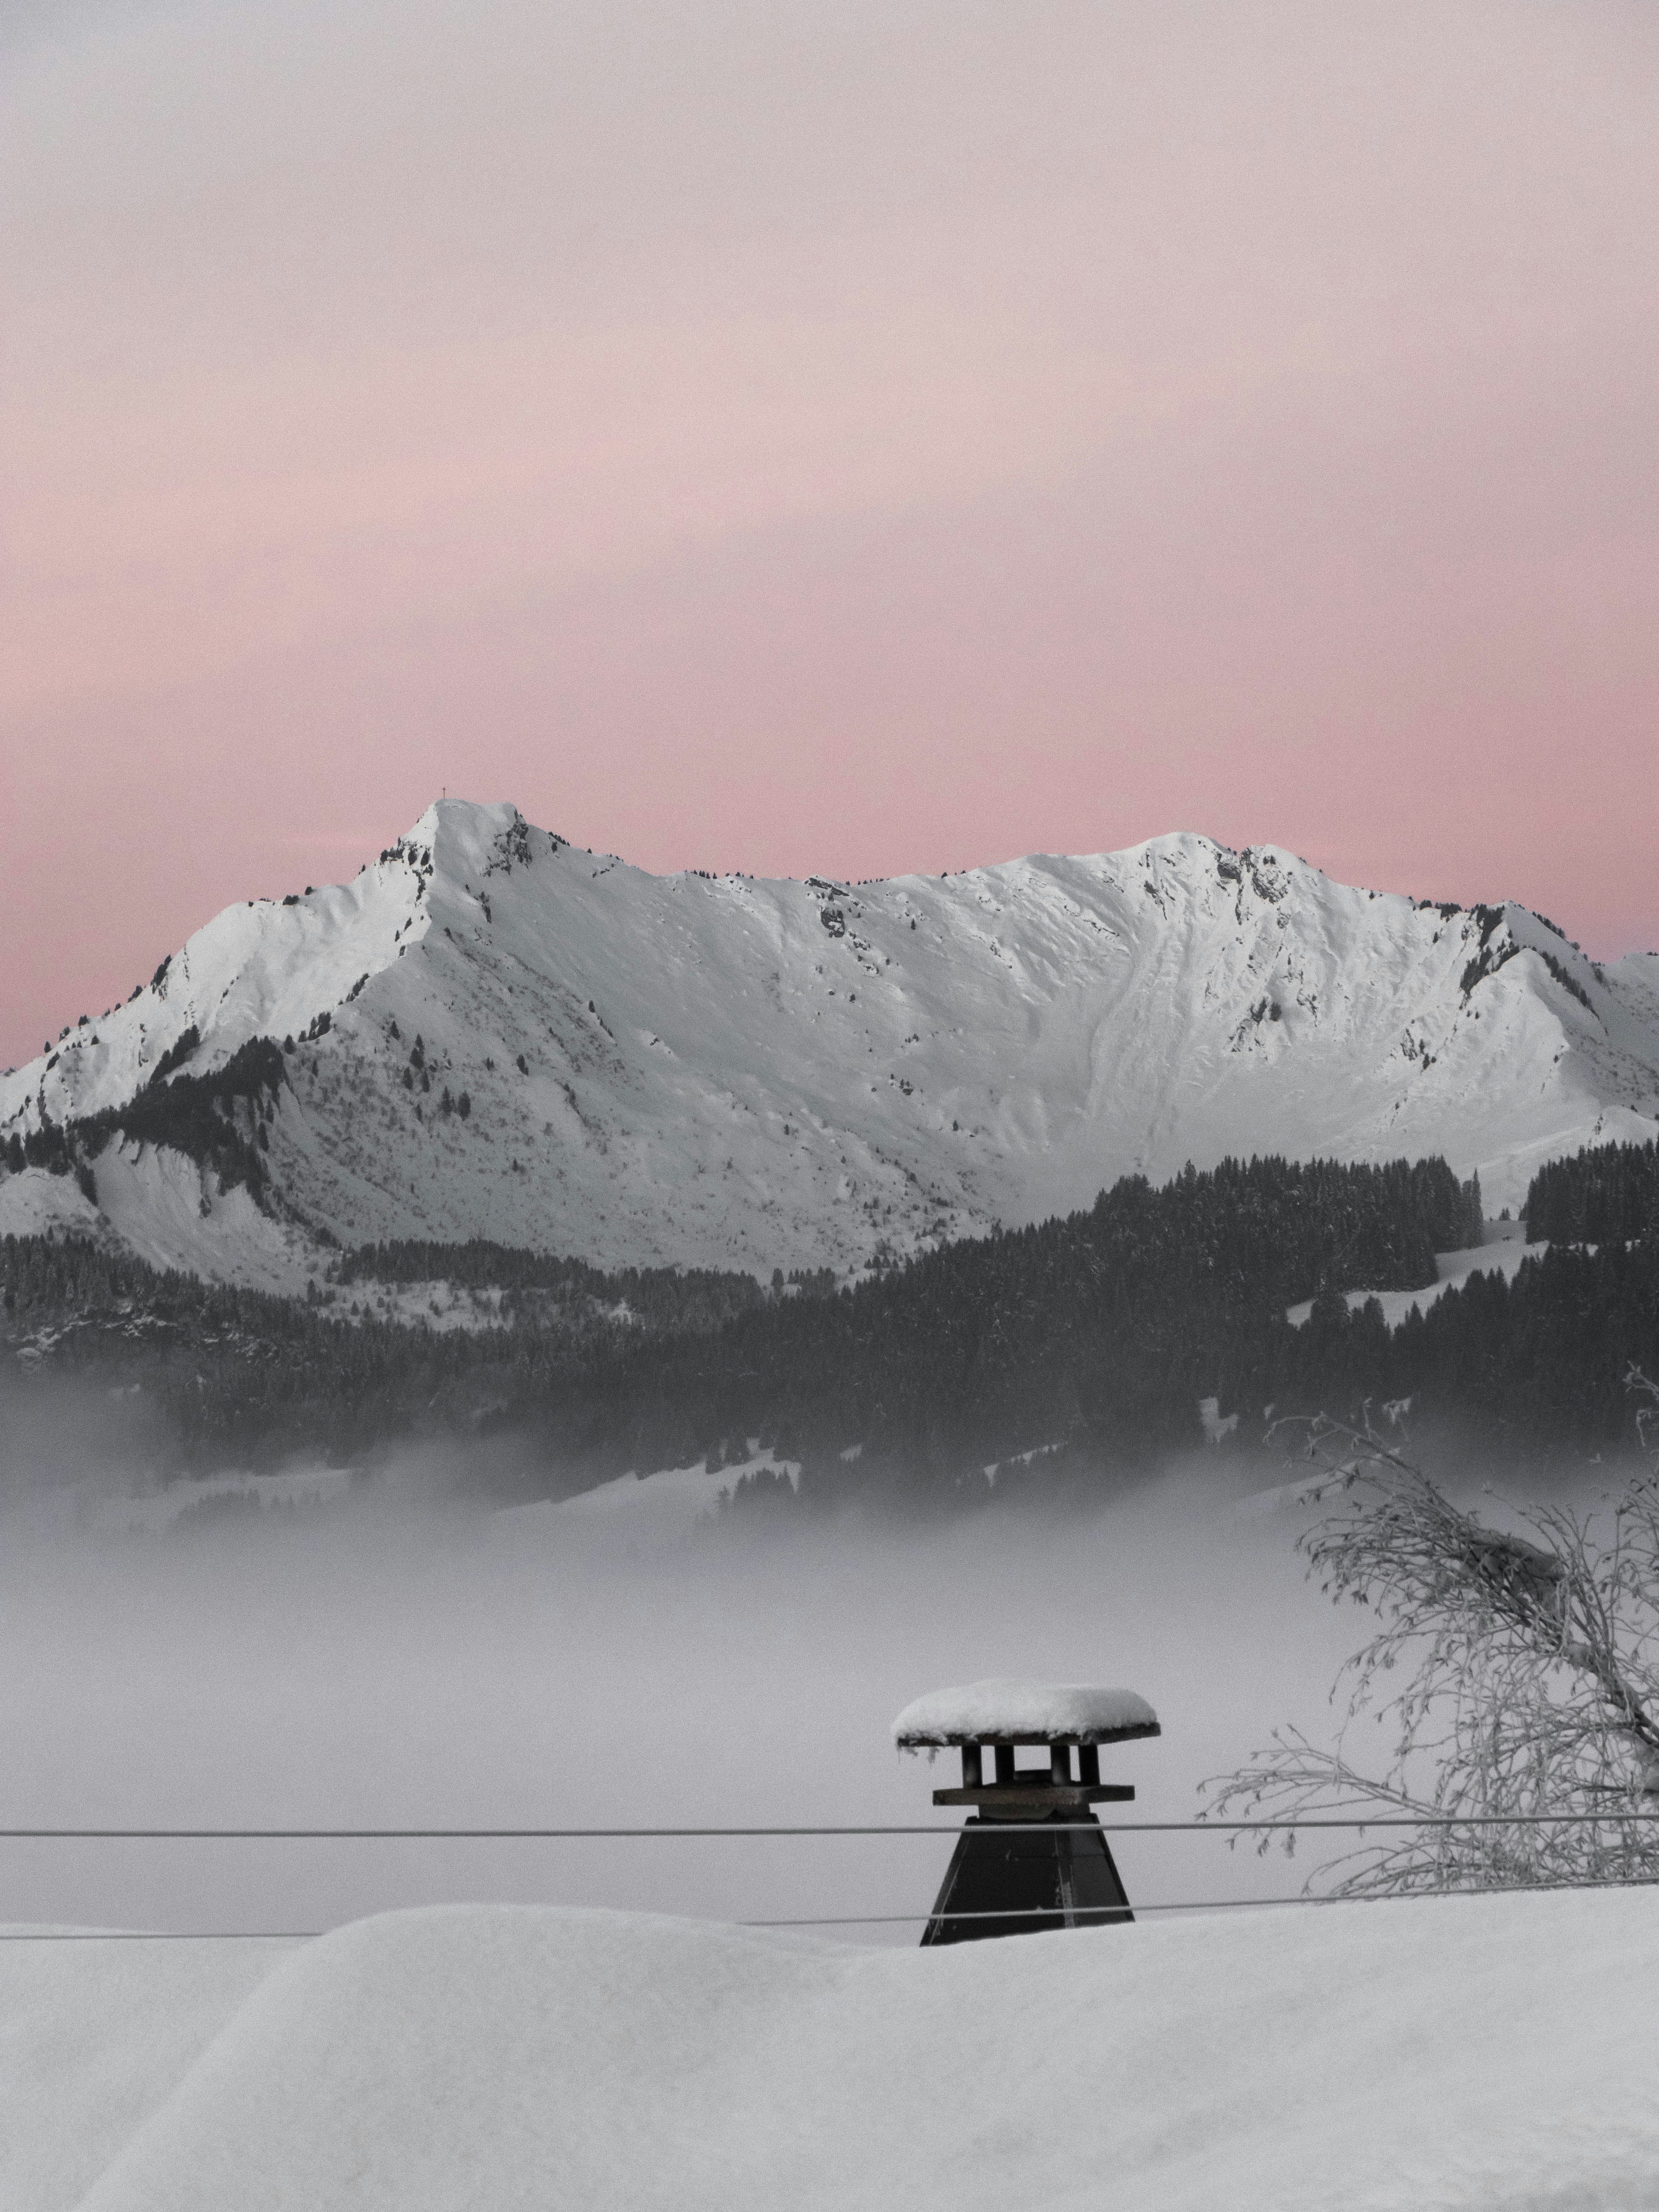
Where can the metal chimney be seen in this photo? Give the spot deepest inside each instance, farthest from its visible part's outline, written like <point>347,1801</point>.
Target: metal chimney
<point>1033,1856</point>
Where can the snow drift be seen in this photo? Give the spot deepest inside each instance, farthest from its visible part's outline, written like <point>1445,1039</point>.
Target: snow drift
<point>1475,2052</point>
<point>495,1034</point>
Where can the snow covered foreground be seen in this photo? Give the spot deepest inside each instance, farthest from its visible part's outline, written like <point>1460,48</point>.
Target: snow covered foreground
<point>722,1071</point>
<point>1486,2053</point>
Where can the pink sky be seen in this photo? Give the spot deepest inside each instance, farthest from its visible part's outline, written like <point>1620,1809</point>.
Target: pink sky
<point>849,439</point>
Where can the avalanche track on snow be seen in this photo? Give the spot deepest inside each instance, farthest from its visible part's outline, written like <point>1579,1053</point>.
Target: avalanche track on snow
<point>722,1072</point>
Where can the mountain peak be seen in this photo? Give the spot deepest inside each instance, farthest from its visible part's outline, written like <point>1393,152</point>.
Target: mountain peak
<point>727,1071</point>
<point>463,835</point>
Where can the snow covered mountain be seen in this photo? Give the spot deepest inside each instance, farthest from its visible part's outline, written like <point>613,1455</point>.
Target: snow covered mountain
<point>716,1071</point>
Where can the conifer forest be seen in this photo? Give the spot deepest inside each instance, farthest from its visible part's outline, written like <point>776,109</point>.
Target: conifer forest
<point>1086,1348</point>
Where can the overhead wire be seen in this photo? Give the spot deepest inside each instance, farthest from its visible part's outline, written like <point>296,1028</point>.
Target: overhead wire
<point>1101,1915</point>
<point>929,1828</point>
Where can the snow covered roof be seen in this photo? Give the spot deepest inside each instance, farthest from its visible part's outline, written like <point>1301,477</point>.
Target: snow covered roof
<point>515,2056</point>
<point>1012,1711</point>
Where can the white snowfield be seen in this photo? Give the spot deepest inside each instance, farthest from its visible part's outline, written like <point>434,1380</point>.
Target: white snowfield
<point>1486,2054</point>
<point>717,1071</point>
<point>1017,1711</point>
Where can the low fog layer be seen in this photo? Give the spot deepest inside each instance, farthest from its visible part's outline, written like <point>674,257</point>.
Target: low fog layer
<point>388,1660</point>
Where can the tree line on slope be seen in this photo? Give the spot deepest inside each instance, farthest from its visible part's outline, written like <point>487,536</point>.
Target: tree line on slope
<point>1605,1194</point>
<point>1104,1328</point>
<point>1099,1335</point>
<point>1107,1326</point>
<point>217,1120</point>
<point>548,1288</point>
<point>1106,1343</point>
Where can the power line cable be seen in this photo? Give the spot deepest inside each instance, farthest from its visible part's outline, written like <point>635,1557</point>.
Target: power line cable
<point>1049,1827</point>
<point>1081,1915</point>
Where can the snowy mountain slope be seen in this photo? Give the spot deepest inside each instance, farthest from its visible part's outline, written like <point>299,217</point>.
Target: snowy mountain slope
<point>723,1071</point>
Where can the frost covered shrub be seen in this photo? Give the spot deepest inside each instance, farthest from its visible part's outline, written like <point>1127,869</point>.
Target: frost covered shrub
<point>1512,1674</point>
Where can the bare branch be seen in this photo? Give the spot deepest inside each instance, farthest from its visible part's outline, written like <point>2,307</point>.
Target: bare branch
<point>1515,1673</point>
